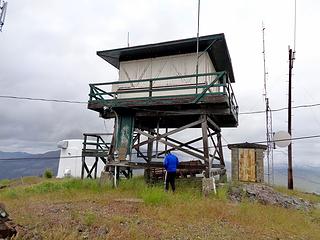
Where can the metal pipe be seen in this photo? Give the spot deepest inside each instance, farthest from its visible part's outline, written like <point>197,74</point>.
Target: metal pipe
<point>290,175</point>
<point>197,66</point>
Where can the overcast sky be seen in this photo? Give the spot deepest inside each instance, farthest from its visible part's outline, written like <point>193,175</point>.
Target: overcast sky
<point>48,50</point>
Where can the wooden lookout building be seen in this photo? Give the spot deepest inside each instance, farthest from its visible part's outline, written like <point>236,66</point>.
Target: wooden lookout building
<point>163,90</point>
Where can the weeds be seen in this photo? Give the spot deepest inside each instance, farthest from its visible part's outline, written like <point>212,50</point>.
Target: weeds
<point>89,218</point>
<point>48,173</point>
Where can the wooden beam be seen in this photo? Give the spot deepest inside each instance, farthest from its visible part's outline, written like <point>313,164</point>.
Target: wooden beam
<point>150,146</point>
<point>220,149</point>
<point>141,154</point>
<point>173,145</point>
<point>204,127</point>
<point>152,138</point>
<point>215,126</point>
<point>187,143</point>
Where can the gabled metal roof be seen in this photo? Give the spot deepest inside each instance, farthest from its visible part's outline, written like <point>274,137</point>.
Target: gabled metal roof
<point>215,45</point>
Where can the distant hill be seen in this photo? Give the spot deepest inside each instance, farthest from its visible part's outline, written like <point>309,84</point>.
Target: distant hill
<point>305,178</point>
<point>18,164</point>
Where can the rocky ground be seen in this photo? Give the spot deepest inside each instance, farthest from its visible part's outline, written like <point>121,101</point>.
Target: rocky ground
<point>268,196</point>
<point>7,227</point>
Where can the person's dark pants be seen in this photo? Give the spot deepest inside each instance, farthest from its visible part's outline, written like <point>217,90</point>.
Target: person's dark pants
<point>171,178</point>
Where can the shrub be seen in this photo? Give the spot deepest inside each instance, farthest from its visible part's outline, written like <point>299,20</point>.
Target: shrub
<point>48,173</point>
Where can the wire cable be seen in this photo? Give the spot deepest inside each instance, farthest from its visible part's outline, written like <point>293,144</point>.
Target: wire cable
<point>258,142</point>
<point>150,110</point>
<point>41,99</point>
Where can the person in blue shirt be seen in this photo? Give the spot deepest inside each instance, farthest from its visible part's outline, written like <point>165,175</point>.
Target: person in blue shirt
<point>171,164</point>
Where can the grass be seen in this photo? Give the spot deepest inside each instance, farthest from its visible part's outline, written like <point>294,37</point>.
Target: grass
<point>56,209</point>
<point>4,182</point>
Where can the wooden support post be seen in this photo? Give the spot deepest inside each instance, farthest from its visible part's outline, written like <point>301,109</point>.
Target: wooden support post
<point>82,166</point>
<point>223,176</point>
<point>150,148</point>
<point>157,142</point>
<point>166,146</point>
<point>96,168</point>
<point>220,149</point>
<point>204,126</point>
<point>83,156</point>
<point>97,159</point>
<point>149,157</point>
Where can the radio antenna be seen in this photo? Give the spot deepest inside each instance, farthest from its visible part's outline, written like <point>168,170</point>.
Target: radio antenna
<point>269,133</point>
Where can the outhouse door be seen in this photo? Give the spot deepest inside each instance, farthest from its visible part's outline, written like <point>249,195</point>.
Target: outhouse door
<point>247,165</point>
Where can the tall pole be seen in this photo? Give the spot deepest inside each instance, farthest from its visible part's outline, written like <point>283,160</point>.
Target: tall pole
<point>197,66</point>
<point>290,175</point>
<point>268,111</point>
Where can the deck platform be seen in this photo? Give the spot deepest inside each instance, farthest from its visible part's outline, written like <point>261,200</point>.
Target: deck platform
<point>175,109</point>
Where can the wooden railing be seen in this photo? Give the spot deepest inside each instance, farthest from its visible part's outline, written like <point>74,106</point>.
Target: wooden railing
<point>220,84</point>
<point>94,143</point>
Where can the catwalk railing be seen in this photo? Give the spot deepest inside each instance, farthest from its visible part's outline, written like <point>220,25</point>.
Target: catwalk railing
<point>144,90</point>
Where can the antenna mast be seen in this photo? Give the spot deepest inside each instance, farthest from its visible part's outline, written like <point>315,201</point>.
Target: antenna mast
<point>292,57</point>
<point>3,10</point>
<point>269,133</point>
<point>197,66</point>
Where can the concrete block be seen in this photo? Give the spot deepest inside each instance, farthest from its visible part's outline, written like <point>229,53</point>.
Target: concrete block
<point>208,185</point>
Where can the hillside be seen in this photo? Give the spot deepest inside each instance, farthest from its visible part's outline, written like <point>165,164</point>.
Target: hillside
<point>75,209</point>
<point>19,164</point>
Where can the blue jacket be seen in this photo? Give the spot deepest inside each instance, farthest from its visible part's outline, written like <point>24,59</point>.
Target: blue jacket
<point>171,163</point>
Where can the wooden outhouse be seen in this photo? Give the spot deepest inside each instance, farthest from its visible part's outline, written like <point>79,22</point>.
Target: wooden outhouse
<point>247,162</point>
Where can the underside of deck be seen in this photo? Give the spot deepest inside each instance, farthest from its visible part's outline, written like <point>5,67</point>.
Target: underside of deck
<point>173,111</point>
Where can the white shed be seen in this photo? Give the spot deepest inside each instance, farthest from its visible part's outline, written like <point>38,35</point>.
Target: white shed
<point>70,162</point>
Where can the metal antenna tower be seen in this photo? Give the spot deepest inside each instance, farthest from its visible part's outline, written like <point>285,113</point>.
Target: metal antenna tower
<point>269,133</point>
<point>3,10</point>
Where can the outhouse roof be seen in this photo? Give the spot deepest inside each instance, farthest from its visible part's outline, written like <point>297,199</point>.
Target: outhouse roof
<point>247,145</point>
<point>215,45</point>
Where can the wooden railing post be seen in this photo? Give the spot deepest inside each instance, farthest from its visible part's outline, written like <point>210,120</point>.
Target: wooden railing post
<point>150,88</point>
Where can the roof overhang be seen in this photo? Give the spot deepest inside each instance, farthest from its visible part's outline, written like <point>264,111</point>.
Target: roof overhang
<point>215,45</point>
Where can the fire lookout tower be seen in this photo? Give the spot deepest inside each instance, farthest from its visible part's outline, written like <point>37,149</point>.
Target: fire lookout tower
<point>161,94</point>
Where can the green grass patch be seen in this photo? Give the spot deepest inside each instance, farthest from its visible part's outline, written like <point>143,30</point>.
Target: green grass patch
<point>222,193</point>
<point>89,218</point>
<point>52,186</point>
<point>154,196</point>
<point>4,182</point>
<point>135,184</point>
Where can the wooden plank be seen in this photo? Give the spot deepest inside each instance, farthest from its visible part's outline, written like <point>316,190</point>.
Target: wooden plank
<point>247,165</point>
